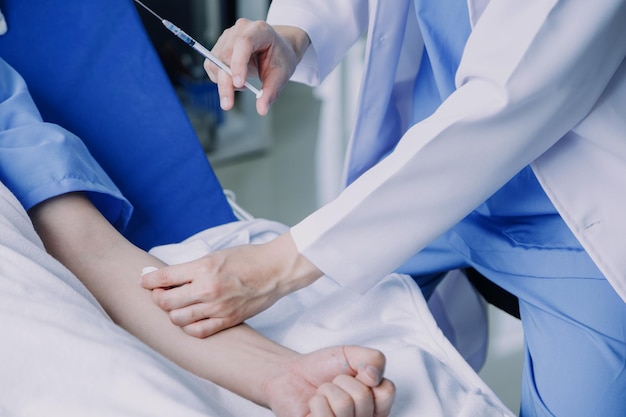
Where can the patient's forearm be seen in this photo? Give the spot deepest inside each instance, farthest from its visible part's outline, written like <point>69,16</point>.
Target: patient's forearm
<point>74,232</point>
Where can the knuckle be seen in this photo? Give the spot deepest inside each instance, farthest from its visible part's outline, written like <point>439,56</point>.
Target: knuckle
<point>201,329</point>
<point>242,22</point>
<point>342,402</point>
<point>162,300</point>
<point>260,25</point>
<point>209,68</point>
<point>225,84</point>
<point>358,392</point>
<point>250,30</point>
<point>362,393</point>
<point>201,332</point>
<point>388,388</point>
<point>197,314</point>
<point>163,279</point>
<point>362,396</point>
<point>177,317</point>
<point>208,265</point>
<point>195,331</point>
<point>208,290</point>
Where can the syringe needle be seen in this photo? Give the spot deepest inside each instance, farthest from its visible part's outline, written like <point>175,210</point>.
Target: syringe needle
<point>150,10</point>
<point>199,48</point>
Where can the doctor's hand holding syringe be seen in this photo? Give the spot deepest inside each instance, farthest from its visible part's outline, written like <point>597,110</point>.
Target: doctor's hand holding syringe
<point>254,48</point>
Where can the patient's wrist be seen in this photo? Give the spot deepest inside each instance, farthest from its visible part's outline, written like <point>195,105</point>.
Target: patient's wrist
<point>286,389</point>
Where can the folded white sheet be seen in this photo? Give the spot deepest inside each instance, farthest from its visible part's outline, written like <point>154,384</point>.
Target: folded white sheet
<point>60,355</point>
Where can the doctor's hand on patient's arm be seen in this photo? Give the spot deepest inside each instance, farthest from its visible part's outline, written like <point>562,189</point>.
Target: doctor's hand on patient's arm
<point>255,48</point>
<point>225,288</point>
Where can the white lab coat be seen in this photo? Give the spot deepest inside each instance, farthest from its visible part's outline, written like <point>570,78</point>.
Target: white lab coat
<point>541,82</point>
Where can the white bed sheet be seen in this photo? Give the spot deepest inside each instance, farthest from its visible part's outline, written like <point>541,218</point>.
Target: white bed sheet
<point>60,354</point>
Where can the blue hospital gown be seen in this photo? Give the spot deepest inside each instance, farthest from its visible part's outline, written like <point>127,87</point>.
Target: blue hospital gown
<point>40,160</point>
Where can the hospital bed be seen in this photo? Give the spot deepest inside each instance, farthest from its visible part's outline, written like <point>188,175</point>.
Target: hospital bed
<point>91,68</point>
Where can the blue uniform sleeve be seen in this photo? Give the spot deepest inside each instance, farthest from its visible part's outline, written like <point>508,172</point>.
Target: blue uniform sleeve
<point>41,160</point>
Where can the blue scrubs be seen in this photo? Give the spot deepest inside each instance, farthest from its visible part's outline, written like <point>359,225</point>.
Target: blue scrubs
<point>574,322</point>
<point>40,160</point>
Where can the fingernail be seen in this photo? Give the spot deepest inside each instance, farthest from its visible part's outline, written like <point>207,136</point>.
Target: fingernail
<point>237,81</point>
<point>224,103</point>
<point>373,373</point>
<point>148,269</point>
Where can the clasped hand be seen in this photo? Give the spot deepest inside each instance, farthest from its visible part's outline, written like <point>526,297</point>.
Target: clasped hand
<point>333,382</point>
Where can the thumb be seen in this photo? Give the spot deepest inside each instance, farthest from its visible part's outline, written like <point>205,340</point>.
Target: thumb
<point>273,84</point>
<point>166,277</point>
<point>369,364</point>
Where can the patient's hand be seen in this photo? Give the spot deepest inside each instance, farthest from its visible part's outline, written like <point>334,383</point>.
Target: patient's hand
<point>332,382</point>
<point>227,287</point>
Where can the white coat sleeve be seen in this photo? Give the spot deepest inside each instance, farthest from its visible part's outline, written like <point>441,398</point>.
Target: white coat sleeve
<point>530,72</point>
<point>332,26</point>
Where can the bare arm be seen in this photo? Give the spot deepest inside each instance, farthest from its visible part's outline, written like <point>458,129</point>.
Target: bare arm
<point>238,359</point>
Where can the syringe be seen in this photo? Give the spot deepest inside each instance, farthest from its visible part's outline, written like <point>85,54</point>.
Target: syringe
<point>199,48</point>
